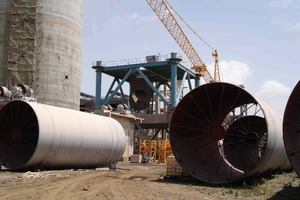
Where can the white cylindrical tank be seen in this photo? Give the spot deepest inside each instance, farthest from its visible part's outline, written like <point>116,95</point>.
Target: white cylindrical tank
<point>33,134</point>
<point>56,48</point>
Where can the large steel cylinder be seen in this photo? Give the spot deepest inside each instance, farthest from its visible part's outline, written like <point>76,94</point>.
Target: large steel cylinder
<point>33,134</point>
<point>291,128</point>
<point>220,134</point>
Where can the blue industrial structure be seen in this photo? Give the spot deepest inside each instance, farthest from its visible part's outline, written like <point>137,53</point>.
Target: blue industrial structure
<point>167,72</point>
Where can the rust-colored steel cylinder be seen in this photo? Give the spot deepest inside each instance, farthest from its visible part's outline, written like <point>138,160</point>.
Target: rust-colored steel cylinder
<point>33,134</point>
<point>220,134</point>
<point>291,128</point>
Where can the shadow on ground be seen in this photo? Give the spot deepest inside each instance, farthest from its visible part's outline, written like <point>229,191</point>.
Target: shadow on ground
<point>249,182</point>
<point>289,192</point>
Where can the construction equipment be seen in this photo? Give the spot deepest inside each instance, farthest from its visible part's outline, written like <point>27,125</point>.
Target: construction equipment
<point>163,11</point>
<point>155,150</point>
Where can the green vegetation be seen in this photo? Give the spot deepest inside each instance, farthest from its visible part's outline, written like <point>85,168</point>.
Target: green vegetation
<point>280,185</point>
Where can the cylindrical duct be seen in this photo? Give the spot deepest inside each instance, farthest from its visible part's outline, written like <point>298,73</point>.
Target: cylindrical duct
<point>220,134</point>
<point>34,134</point>
<point>140,95</point>
<point>291,128</point>
<point>4,92</point>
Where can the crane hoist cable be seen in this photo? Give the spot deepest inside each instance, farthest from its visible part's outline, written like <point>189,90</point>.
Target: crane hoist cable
<point>217,75</point>
<point>190,27</point>
<point>162,9</point>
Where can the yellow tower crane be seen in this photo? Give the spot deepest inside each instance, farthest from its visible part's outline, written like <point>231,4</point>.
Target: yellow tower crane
<point>163,11</point>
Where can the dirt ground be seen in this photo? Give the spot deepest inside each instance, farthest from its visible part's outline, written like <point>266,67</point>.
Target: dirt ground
<point>138,181</point>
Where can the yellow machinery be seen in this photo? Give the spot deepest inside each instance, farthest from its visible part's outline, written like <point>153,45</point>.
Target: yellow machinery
<point>148,147</point>
<point>163,11</point>
<point>157,150</point>
<point>164,150</point>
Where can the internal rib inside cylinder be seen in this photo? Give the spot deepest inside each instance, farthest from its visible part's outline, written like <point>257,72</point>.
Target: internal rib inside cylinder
<point>218,133</point>
<point>18,134</point>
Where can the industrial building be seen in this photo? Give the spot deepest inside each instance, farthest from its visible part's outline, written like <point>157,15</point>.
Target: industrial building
<point>218,132</point>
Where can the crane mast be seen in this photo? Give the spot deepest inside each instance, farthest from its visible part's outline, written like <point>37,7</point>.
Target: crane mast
<point>217,77</point>
<point>165,15</point>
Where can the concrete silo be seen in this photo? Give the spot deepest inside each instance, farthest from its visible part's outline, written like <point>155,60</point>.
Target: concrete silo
<point>4,6</point>
<point>42,48</point>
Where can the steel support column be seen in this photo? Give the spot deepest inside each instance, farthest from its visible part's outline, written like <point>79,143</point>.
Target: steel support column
<point>98,88</point>
<point>197,80</point>
<point>173,84</point>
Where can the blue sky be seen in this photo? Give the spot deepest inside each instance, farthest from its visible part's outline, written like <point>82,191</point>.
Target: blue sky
<point>258,41</point>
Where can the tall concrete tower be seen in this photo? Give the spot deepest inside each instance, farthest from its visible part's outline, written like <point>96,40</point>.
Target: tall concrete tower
<point>40,46</point>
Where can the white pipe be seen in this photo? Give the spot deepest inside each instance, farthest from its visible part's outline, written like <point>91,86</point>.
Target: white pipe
<point>57,138</point>
<point>4,92</point>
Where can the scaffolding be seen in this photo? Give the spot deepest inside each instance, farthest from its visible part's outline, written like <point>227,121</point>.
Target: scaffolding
<point>163,150</point>
<point>148,149</point>
<point>155,150</point>
<point>22,43</point>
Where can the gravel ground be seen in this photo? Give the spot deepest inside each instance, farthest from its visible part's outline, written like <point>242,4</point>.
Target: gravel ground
<point>138,181</point>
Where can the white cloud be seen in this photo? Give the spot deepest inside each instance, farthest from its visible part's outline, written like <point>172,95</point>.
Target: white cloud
<point>142,18</point>
<point>233,71</point>
<point>292,27</point>
<point>275,94</point>
<point>284,3</point>
<point>273,89</point>
<point>283,15</point>
<point>286,25</point>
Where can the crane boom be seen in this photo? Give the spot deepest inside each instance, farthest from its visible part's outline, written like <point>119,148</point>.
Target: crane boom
<point>165,15</point>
